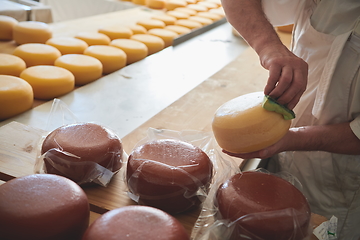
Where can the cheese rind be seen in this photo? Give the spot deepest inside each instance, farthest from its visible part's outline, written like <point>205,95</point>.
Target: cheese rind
<point>37,54</point>
<point>49,82</point>
<point>31,32</point>
<point>135,50</point>
<point>11,64</point>
<point>16,96</point>
<point>116,31</point>
<point>85,68</point>
<point>153,43</point>
<point>93,38</point>
<point>68,45</point>
<point>7,24</point>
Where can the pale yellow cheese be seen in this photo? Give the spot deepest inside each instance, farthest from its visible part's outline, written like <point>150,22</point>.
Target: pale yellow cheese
<point>85,68</point>
<point>189,11</point>
<point>139,2</point>
<point>178,15</point>
<point>7,24</point>
<point>210,15</point>
<point>93,38</point>
<point>219,11</point>
<point>202,20</point>
<point>167,19</point>
<point>11,65</point>
<point>172,4</point>
<point>49,82</point>
<point>242,125</point>
<point>135,50</point>
<point>197,7</point>
<point>16,96</point>
<point>151,23</point>
<point>167,35</point>
<point>178,29</point>
<point>137,29</point>
<point>68,45</point>
<point>153,43</point>
<point>31,32</point>
<point>112,58</point>
<point>188,23</point>
<point>155,4</point>
<point>116,31</point>
<point>209,5</point>
<point>191,1</point>
<point>37,54</point>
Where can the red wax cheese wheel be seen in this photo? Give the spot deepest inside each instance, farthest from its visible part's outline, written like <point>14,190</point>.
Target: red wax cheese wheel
<point>43,207</point>
<point>76,150</point>
<point>166,174</point>
<point>264,206</point>
<point>136,223</point>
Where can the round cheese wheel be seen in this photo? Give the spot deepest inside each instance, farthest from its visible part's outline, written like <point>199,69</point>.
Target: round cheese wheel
<point>49,82</point>
<point>197,7</point>
<point>212,16</point>
<point>85,68</point>
<point>151,23</point>
<point>172,4</point>
<point>242,125</point>
<point>16,96</point>
<point>204,21</point>
<point>155,4</point>
<point>7,24</point>
<point>68,45</point>
<point>137,29</point>
<point>135,50</point>
<point>263,206</point>
<point>11,64</point>
<point>42,207</point>
<point>167,35</point>
<point>153,43</point>
<point>166,174</point>
<point>191,1</point>
<point>207,4</point>
<point>93,38</point>
<point>188,23</point>
<point>116,31</point>
<point>178,29</point>
<point>219,11</point>
<point>31,32</point>
<point>139,2</point>
<point>75,150</point>
<point>112,58</point>
<point>37,54</point>
<point>178,15</point>
<point>167,19</point>
<point>136,223</point>
<point>189,11</point>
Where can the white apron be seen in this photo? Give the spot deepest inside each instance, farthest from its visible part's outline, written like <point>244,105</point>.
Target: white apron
<point>331,182</point>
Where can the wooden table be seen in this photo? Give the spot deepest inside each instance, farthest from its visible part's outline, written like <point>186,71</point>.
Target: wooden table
<point>192,111</point>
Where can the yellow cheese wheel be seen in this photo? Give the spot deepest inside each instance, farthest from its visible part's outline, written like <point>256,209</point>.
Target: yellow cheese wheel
<point>189,11</point>
<point>219,11</point>
<point>93,38</point>
<point>6,27</point>
<point>217,2</point>
<point>191,1</point>
<point>139,2</point>
<point>37,54</point>
<point>188,23</point>
<point>68,45</point>
<point>178,15</point>
<point>197,7</point>
<point>11,65</point>
<point>153,43</point>
<point>202,20</point>
<point>207,4</point>
<point>135,50</point>
<point>31,32</point>
<point>167,19</point>
<point>112,58</point>
<point>172,4</point>
<point>137,29</point>
<point>242,125</point>
<point>151,23</point>
<point>210,15</point>
<point>16,96</point>
<point>167,35</point>
<point>85,68</point>
<point>49,82</point>
<point>178,29</point>
<point>155,4</point>
<point>116,31</point>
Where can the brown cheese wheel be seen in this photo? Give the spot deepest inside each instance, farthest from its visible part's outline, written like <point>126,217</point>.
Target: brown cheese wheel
<point>43,207</point>
<point>136,223</point>
<point>87,143</point>
<point>264,206</point>
<point>167,174</point>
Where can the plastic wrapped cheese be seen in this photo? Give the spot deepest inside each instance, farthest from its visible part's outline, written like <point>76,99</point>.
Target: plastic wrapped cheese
<point>11,64</point>
<point>37,54</point>
<point>7,24</point>
<point>242,125</point>
<point>153,43</point>
<point>135,50</point>
<point>31,32</point>
<point>16,96</point>
<point>68,45</point>
<point>49,82</point>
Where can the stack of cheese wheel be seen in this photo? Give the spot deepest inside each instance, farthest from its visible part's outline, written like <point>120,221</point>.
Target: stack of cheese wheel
<point>263,206</point>
<point>43,207</point>
<point>167,174</point>
<point>136,223</point>
<point>82,152</point>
